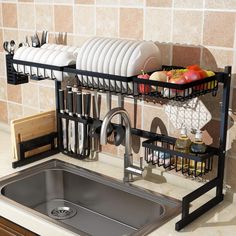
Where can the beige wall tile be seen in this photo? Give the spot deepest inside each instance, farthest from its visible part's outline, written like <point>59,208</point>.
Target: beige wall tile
<point>3,112</point>
<point>155,119</point>
<point>25,0</point>
<point>2,64</point>
<point>216,59</point>
<point>1,40</point>
<point>63,18</point>
<point>29,111</point>
<point>30,95</point>
<point>188,4</point>
<point>9,14</point>
<point>84,20</point>
<point>159,3</point>
<point>107,2</point>
<point>84,1</point>
<point>14,93</point>
<point>44,17</point>
<point>131,23</point>
<point>187,27</point>
<point>132,3</point>
<point>1,15</point>
<point>3,88</point>
<point>107,22</point>
<point>154,28</point>
<point>46,98</point>
<point>10,34</point>
<point>220,4</point>
<point>26,16</point>
<point>218,32</point>
<point>166,53</point>
<point>15,111</point>
<point>64,1</point>
<point>185,56</point>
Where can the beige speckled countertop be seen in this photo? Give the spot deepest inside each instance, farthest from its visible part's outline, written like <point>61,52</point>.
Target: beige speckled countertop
<point>218,221</point>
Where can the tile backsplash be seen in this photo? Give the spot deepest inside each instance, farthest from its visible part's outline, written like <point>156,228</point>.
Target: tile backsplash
<point>187,32</point>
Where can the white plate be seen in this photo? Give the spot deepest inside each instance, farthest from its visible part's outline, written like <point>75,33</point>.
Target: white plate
<point>50,60</point>
<point>87,60</point>
<point>101,60</point>
<point>29,58</point>
<point>36,59</point>
<point>113,60</point>
<point>120,59</point>
<point>23,56</point>
<point>50,46</point>
<point>17,56</point>
<point>43,60</point>
<point>124,64</point>
<point>146,56</point>
<point>98,58</point>
<point>82,55</point>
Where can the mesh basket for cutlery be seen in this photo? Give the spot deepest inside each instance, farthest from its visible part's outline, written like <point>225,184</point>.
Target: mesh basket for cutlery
<point>102,82</point>
<point>179,92</point>
<point>64,147</point>
<point>160,151</point>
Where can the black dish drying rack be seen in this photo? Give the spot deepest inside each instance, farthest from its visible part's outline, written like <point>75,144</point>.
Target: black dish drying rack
<point>129,86</point>
<point>158,148</point>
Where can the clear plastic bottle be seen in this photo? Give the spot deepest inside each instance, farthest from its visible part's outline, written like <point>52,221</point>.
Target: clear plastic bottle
<point>182,144</point>
<point>198,146</point>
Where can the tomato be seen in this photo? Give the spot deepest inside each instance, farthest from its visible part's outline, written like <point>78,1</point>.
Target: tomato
<point>194,67</point>
<point>144,88</point>
<point>191,76</point>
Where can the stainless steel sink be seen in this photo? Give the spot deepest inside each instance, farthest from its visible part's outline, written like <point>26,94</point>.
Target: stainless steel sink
<point>85,202</point>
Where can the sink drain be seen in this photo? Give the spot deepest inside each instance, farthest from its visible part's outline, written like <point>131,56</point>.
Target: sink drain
<point>62,213</point>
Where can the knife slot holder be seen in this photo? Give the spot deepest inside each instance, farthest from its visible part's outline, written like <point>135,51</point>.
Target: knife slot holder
<point>76,121</point>
<point>160,151</point>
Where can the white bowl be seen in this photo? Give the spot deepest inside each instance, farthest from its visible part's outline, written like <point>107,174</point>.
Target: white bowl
<point>50,60</point>
<point>36,59</point>
<point>63,59</point>
<point>29,58</point>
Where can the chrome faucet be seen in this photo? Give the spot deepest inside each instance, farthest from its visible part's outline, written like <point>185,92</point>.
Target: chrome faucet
<point>129,168</point>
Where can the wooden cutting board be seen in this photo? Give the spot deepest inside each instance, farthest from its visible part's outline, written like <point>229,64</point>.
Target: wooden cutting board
<point>31,127</point>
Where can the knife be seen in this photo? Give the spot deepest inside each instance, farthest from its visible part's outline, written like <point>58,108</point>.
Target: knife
<point>87,106</point>
<point>80,125</point>
<point>62,110</point>
<point>71,124</point>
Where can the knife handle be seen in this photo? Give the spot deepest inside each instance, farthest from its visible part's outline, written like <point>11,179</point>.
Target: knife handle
<point>79,104</point>
<point>61,100</point>
<point>87,104</point>
<point>70,102</point>
<point>68,88</point>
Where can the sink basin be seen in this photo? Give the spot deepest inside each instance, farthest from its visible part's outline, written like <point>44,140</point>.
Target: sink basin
<point>85,202</point>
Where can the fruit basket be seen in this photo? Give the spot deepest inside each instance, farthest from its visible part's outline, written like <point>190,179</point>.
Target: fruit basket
<point>160,151</point>
<point>177,89</point>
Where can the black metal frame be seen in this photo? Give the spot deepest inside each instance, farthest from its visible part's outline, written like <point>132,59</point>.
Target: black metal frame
<point>199,87</point>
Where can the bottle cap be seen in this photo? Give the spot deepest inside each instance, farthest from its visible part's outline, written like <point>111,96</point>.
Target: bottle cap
<point>198,135</point>
<point>183,131</point>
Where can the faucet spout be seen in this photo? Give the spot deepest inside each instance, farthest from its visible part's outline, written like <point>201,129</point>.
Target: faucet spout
<point>129,168</point>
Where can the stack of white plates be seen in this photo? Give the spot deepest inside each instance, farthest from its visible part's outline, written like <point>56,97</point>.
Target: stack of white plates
<point>46,56</point>
<point>117,57</point>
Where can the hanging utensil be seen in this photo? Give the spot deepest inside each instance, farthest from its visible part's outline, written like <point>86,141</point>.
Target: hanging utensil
<point>71,125</point>
<point>119,132</point>
<point>87,107</point>
<point>12,47</point>
<point>44,37</point>
<point>79,103</point>
<point>6,47</point>
<point>62,110</point>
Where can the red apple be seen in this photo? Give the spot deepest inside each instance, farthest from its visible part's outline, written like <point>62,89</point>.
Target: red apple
<point>144,88</point>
